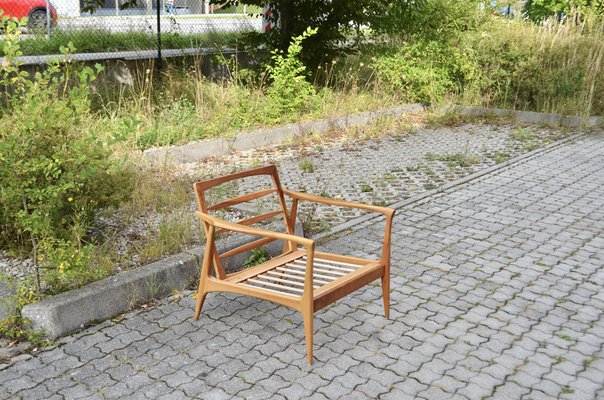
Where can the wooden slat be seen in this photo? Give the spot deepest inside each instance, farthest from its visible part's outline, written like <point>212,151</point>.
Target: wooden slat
<point>287,299</point>
<point>266,266</point>
<point>242,199</point>
<point>331,278</point>
<point>331,286</point>
<point>301,273</point>
<point>248,246</point>
<point>272,278</point>
<point>254,220</point>
<point>344,264</point>
<point>339,257</point>
<point>210,183</point>
<point>319,264</point>
<point>256,293</point>
<point>274,285</point>
<point>338,268</point>
<point>326,271</point>
<point>283,274</point>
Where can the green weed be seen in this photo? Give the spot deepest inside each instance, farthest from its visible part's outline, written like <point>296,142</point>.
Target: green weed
<point>306,165</point>
<point>258,256</point>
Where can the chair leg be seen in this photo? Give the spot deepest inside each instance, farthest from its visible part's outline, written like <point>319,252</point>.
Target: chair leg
<point>386,295</point>
<point>201,296</point>
<point>308,332</point>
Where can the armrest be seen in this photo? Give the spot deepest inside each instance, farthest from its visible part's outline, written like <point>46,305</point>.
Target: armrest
<point>388,212</point>
<point>231,226</point>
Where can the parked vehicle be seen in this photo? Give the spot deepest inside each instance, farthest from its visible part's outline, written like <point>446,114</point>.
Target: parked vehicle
<point>35,10</point>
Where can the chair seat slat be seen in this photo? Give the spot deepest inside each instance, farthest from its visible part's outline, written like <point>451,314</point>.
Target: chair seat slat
<point>331,278</point>
<point>301,273</point>
<point>274,285</point>
<point>355,266</point>
<point>322,270</point>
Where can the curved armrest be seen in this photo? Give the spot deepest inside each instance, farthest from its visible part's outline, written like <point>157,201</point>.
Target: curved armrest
<point>388,212</point>
<point>231,226</point>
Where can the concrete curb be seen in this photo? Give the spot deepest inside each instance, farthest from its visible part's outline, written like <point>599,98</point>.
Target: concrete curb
<point>120,55</point>
<point>196,151</point>
<point>200,150</point>
<point>97,301</point>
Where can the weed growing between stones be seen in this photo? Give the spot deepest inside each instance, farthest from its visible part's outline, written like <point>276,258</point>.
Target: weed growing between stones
<point>307,166</point>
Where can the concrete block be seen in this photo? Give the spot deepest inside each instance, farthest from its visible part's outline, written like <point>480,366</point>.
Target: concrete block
<point>7,301</point>
<point>187,153</point>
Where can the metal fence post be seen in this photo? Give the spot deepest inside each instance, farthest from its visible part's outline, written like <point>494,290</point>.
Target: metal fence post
<point>48,18</point>
<point>159,66</point>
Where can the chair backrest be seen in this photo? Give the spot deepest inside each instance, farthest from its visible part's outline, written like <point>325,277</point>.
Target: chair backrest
<point>203,186</point>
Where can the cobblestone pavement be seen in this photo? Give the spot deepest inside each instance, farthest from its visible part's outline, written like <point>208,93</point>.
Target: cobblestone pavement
<point>497,292</point>
<point>384,169</point>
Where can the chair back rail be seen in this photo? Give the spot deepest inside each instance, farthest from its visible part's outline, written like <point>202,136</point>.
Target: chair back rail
<point>200,191</point>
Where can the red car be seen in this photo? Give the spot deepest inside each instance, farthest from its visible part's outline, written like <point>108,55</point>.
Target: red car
<point>35,10</point>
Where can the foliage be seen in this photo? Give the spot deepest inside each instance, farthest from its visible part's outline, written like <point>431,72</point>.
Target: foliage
<point>338,22</point>
<point>432,20</point>
<point>548,69</point>
<point>538,10</point>
<point>492,61</point>
<point>289,91</point>
<point>54,170</point>
<point>425,71</point>
<point>258,256</point>
<point>15,328</point>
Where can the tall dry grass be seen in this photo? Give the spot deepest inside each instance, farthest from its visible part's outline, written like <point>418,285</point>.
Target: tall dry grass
<point>554,67</point>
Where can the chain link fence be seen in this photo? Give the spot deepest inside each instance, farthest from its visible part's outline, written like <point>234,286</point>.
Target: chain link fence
<point>143,30</point>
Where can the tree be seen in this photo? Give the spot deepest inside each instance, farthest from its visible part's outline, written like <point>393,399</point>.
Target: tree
<point>340,24</point>
<point>538,10</point>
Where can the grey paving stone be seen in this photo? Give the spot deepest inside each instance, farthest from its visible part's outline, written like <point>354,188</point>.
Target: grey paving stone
<point>497,291</point>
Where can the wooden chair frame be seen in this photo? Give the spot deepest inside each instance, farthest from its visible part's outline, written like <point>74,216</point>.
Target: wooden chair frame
<point>300,278</point>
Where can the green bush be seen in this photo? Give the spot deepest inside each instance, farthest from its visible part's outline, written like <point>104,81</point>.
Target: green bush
<point>555,69</point>
<point>289,91</point>
<point>425,71</point>
<point>54,170</point>
<point>539,10</point>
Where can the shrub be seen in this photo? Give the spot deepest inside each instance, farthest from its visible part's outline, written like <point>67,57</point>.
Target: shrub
<point>54,170</point>
<point>425,71</point>
<point>549,69</point>
<point>290,92</point>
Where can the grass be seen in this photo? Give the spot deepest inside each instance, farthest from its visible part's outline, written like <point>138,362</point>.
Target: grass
<point>102,40</point>
<point>453,160</point>
<point>188,106</point>
<point>307,166</point>
<point>500,156</point>
<point>524,135</point>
